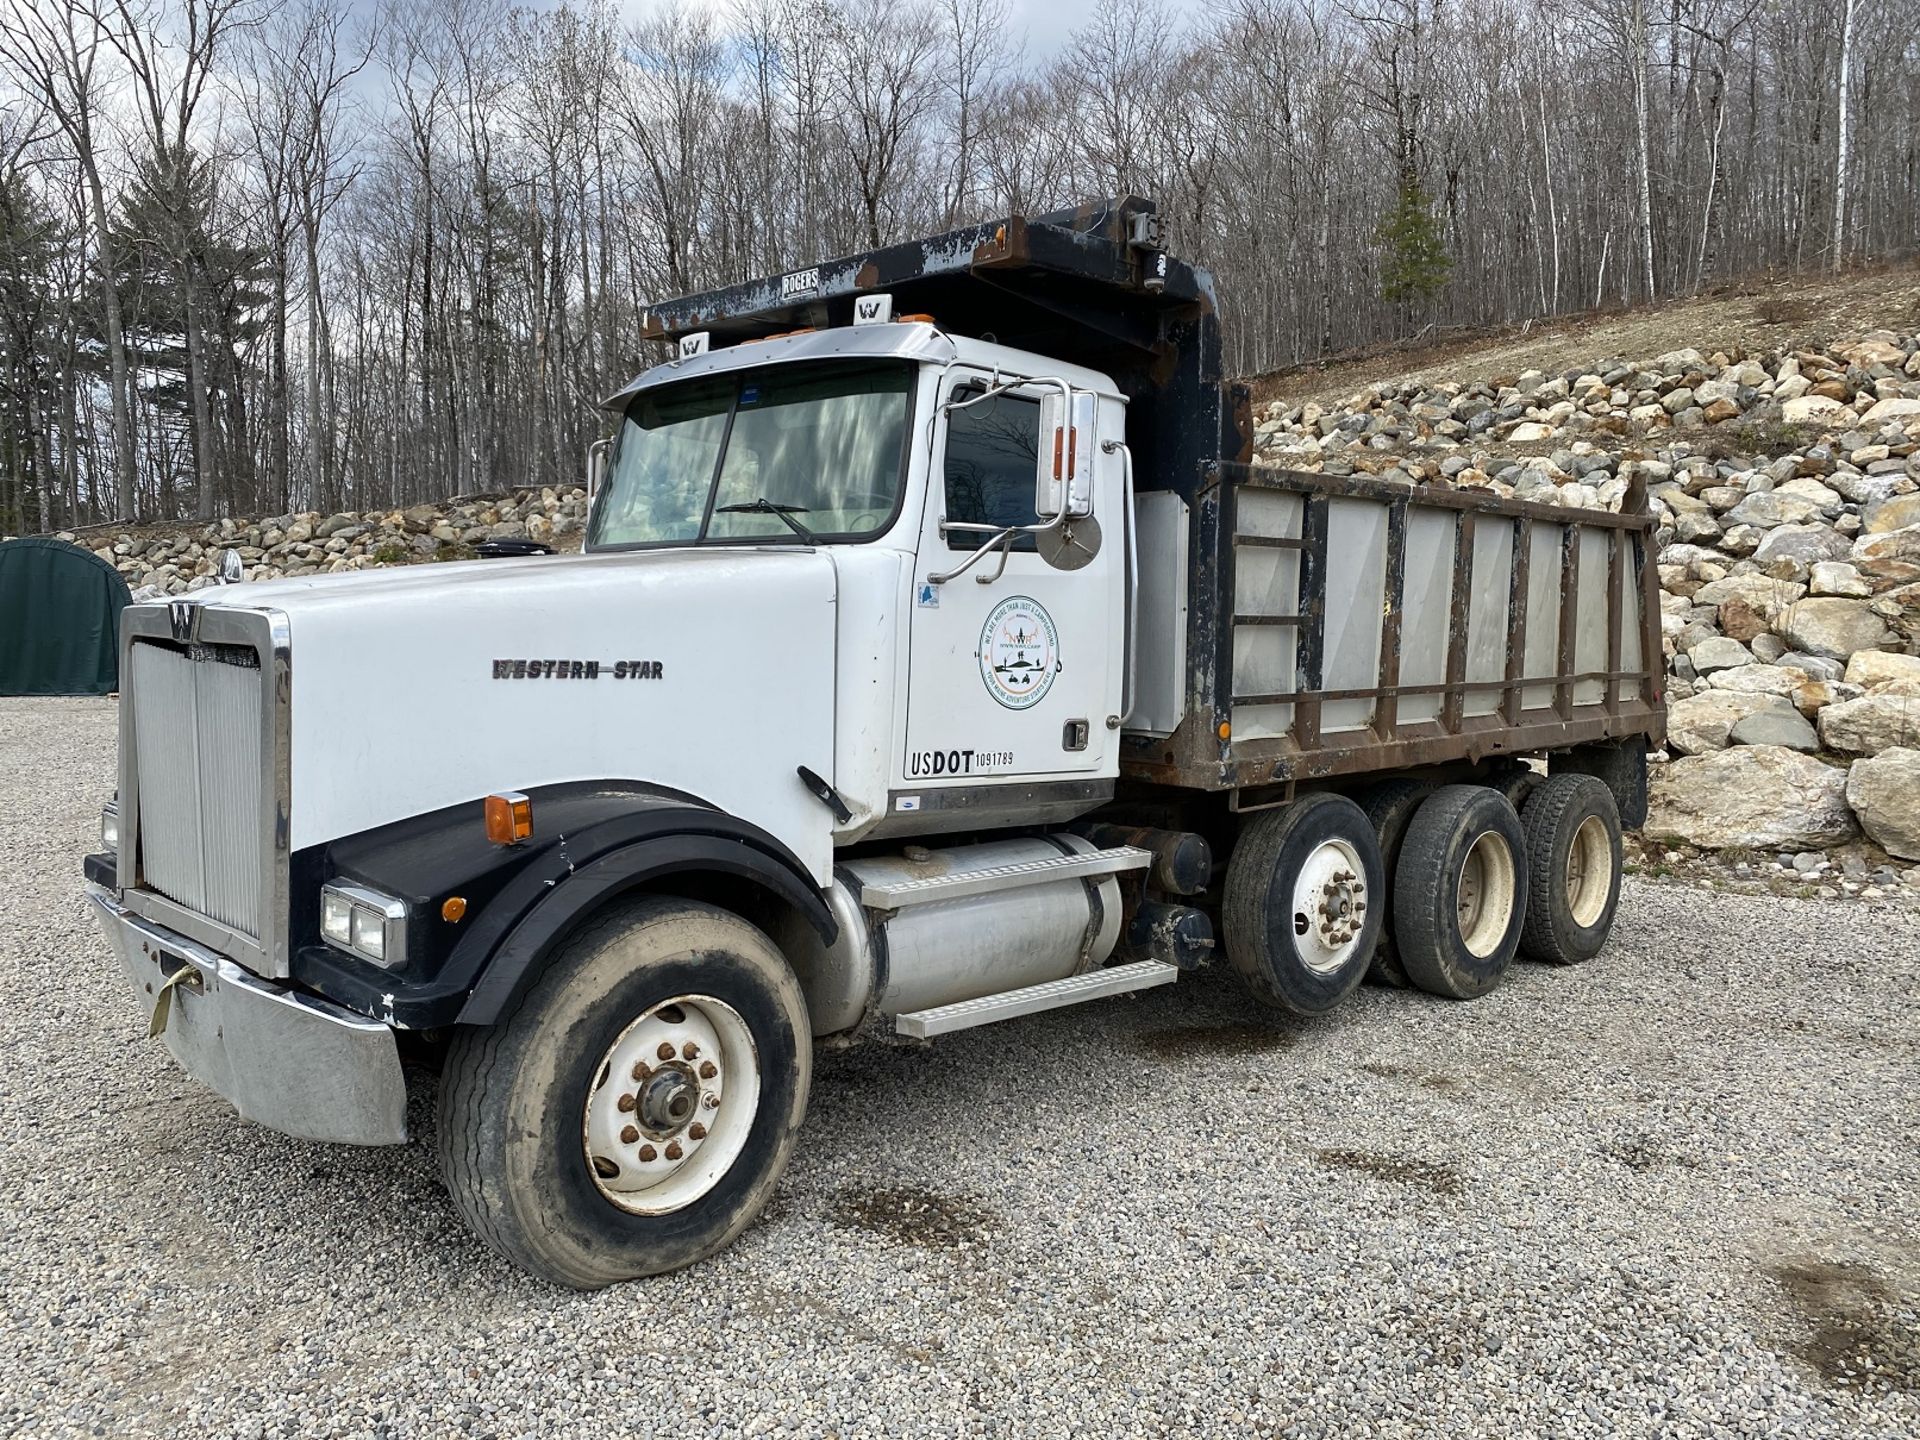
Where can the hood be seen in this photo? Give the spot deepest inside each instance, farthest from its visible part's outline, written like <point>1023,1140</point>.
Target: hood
<point>708,672</point>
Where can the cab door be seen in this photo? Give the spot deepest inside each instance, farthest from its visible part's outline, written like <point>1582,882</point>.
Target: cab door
<point>1014,666</point>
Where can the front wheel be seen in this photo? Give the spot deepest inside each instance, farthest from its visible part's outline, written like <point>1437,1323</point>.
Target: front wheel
<point>634,1113</point>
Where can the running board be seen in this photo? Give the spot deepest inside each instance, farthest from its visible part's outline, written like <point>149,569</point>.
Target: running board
<point>1094,985</point>
<point>898,894</point>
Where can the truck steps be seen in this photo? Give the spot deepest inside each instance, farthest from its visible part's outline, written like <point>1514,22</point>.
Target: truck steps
<point>897,894</point>
<point>1115,980</point>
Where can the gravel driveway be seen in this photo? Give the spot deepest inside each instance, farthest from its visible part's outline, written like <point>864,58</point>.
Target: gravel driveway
<point>1672,1192</point>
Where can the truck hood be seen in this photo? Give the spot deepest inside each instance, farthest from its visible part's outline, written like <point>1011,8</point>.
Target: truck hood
<point>708,672</point>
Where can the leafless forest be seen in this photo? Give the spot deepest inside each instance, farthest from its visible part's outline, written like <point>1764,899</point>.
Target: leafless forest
<point>259,255</point>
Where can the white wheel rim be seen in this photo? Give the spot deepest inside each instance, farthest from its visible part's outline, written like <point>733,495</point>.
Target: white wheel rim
<point>1329,906</point>
<point>672,1101</point>
<point>1589,872</point>
<point>1485,894</point>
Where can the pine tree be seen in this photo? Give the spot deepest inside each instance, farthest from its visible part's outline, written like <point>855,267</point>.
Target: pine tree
<point>1416,266</point>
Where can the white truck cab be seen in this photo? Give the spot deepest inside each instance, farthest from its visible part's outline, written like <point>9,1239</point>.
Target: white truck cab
<point>914,673</point>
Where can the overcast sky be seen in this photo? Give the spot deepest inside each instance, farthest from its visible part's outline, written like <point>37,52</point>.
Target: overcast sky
<point>1046,23</point>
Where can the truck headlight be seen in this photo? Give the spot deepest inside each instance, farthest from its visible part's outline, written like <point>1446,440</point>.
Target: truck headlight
<point>110,828</point>
<point>364,922</point>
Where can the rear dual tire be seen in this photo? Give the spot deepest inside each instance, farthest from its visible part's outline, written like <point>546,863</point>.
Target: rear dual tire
<point>1305,899</point>
<point>1460,891</point>
<point>1572,827</point>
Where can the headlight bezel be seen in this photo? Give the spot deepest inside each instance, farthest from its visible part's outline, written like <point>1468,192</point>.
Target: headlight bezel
<point>368,913</point>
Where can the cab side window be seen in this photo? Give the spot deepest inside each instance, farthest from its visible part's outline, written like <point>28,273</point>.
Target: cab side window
<point>992,449</point>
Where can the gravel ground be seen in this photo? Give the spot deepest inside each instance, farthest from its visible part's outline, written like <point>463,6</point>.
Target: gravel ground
<point>1671,1192</point>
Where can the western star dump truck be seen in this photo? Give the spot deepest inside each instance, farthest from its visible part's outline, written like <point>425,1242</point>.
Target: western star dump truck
<point>937,657</point>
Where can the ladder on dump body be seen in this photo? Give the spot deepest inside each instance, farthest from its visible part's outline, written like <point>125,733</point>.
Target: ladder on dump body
<point>1030,999</point>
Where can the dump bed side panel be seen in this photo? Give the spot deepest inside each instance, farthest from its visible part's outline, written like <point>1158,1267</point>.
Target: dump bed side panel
<point>1376,626</point>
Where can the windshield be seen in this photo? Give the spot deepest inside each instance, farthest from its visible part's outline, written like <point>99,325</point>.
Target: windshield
<point>790,452</point>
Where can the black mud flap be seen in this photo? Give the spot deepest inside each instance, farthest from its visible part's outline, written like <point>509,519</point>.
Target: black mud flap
<point>1620,765</point>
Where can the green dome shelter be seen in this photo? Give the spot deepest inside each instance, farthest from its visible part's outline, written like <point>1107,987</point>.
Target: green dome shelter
<point>60,610</point>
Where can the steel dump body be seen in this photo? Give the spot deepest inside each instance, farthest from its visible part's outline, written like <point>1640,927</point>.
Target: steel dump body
<point>1320,625</point>
<point>1342,624</point>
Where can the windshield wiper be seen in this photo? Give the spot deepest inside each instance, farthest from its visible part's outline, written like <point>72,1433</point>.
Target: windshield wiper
<point>764,506</point>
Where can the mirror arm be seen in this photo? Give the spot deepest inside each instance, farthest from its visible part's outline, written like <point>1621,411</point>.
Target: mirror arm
<point>1001,537</point>
<point>595,452</point>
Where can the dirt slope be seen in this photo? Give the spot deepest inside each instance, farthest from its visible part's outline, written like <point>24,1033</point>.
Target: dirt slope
<point>1752,316</point>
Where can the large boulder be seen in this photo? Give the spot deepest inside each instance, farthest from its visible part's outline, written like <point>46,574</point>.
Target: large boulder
<point>1762,592</point>
<point>1810,410</point>
<point>1718,652</point>
<point>1761,797</point>
<point>1889,554</point>
<point>1871,724</point>
<point>1898,407</point>
<point>1885,793</point>
<point>1783,725</point>
<point>1703,722</point>
<point>1809,544</point>
<point>1892,514</point>
<point>1873,668</point>
<point>1831,626</point>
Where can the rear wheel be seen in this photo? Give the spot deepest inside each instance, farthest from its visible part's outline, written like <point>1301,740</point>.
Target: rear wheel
<point>1460,891</point>
<point>1573,859</point>
<point>634,1112</point>
<point>1389,806</point>
<point>1303,904</point>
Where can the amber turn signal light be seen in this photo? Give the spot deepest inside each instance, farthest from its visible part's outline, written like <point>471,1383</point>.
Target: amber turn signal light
<point>453,909</point>
<point>509,818</point>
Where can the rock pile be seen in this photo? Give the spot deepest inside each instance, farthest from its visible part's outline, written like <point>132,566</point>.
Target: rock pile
<point>168,562</point>
<point>1787,491</point>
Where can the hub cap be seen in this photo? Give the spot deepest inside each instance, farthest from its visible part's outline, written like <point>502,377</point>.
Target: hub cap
<point>1589,872</point>
<point>1329,906</point>
<point>1486,894</point>
<point>672,1101</point>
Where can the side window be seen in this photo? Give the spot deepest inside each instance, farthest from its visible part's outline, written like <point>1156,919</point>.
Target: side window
<point>992,448</point>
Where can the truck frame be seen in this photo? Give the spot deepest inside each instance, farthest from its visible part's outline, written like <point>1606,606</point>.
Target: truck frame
<point>938,657</point>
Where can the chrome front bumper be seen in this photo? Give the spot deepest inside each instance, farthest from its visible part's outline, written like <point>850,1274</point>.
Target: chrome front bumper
<point>292,1062</point>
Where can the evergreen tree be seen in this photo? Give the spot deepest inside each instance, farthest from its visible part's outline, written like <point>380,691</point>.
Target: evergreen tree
<point>1416,266</point>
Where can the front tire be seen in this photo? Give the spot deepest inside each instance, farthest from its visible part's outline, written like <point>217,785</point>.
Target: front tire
<point>578,1147</point>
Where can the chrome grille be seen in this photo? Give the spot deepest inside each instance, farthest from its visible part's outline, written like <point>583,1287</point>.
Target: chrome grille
<point>197,738</point>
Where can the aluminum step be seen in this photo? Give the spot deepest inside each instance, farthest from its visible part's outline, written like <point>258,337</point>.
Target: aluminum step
<point>898,894</point>
<point>964,1015</point>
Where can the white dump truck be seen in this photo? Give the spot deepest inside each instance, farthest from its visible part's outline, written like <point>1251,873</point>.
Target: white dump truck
<point>936,657</point>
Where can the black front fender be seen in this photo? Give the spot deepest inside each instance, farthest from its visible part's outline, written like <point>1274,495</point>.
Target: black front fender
<point>590,844</point>
<point>518,957</point>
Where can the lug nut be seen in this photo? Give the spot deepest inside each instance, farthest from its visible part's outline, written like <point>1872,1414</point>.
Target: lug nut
<point>712,1102</point>
<point>689,1051</point>
<point>665,1052</point>
<point>640,1070</point>
<point>708,1070</point>
<point>629,1135</point>
<point>626,1103</point>
<point>696,1131</point>
<point>647,1152</point>
<point>673,1150</point>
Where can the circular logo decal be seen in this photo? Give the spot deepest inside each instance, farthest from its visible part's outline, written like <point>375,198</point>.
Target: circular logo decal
<point>1019,652</point>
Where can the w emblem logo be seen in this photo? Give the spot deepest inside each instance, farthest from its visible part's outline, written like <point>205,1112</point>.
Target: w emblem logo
<point>182,618</point>
<point>872,309</point>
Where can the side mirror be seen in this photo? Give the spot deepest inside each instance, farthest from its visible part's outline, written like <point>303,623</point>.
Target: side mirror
<point>232,569</point>
<point>1063,476</point>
